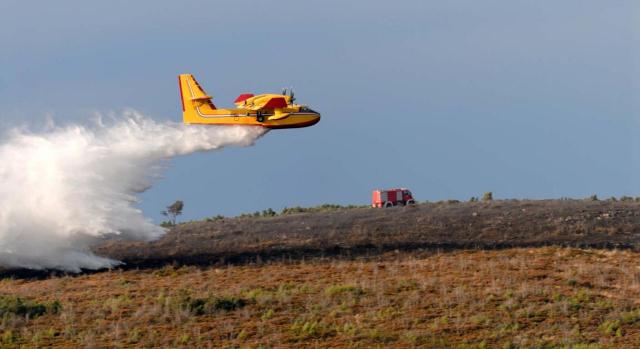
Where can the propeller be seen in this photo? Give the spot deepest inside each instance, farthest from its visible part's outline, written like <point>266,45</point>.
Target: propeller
<point>292,95</point>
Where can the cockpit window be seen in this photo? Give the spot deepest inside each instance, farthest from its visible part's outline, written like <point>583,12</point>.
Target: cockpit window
<point>307,110</point>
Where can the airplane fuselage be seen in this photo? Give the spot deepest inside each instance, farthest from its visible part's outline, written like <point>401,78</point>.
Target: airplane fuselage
<point>296,118</point>
<point>266,110</point>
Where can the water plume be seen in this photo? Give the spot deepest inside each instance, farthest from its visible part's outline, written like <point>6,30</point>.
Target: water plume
<point>67,188</point>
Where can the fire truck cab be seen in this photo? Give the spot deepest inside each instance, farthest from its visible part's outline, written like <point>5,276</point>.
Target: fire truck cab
<point>391,197</point>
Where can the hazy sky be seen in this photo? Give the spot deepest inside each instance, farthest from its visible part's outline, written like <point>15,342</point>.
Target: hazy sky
<point>528,99</point>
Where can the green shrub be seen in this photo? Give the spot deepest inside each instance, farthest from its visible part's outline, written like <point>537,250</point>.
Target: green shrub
<point>167,224</point>
<point>488,196</point>
<point>611,327</point>
<point>202,306</point>
<point>311,329</point>
<point>320,208</point>
<point>21,307</point>
<point>9,337</point>
<point>583,346</point>
<point>215,218</point>
<point>381,336</point>
<point>630,317</point>
<point>335,290</point>
<point>267,314</point>
<point>228,303</point>
<point>292,210</point>
<point>268,213</point>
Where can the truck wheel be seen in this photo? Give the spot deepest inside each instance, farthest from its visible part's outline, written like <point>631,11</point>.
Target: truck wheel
<point>411,202</point>
<point>260,118</point>
<point>388,204</point>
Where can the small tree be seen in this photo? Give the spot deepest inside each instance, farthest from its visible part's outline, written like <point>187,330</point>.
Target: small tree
<point>268,213</point>
<point>488,196</point>
<point>173,211</point>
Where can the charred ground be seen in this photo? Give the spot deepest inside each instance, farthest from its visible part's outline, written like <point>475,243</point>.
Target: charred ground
<point>365,231</point>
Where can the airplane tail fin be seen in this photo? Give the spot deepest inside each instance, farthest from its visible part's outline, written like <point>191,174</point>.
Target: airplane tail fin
<point>193,97</point>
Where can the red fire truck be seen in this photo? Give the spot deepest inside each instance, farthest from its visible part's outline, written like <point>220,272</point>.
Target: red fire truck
<point>391,197</point>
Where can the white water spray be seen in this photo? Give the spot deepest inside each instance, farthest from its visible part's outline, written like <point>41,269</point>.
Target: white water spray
<point>65,189</point>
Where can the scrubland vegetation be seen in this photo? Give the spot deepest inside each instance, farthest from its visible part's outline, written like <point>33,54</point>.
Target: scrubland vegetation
<point>480,274</point>
<point>333,230</point>
<point>290,210</point>
<point>515,298</point>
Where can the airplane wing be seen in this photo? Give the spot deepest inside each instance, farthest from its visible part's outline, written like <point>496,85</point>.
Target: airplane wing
<point>268,102</point>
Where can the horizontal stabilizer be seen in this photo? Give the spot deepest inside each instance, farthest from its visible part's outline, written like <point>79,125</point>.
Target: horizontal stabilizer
<point>201,98</point>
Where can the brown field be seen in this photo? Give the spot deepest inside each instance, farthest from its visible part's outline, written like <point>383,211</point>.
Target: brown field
<point>445,275</point>
<point>515,298</point>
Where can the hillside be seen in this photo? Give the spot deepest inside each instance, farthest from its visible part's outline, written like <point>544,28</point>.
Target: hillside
<point>362,231</point>
<point>505,274</point>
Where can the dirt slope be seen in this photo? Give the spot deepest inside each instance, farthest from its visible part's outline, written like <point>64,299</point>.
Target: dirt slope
<point>349,232</point>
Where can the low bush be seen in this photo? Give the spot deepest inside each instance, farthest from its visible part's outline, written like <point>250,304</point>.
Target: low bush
<point>203,306</point>
<point>268,213</point>
<point>22,307</point>
<point>335,290</point>
<point>215,218</point>
<point>320,208</point>
<point>312,330</point>
<point>167,224</point>
<point>611,327</point>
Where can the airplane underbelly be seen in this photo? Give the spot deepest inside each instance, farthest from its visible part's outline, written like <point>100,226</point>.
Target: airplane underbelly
<point>293,120</point>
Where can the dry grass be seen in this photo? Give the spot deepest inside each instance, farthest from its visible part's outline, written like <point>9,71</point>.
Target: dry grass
<point>517,298</point>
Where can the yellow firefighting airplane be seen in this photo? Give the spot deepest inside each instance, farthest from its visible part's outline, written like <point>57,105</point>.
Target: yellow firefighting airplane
<point>266,110</point>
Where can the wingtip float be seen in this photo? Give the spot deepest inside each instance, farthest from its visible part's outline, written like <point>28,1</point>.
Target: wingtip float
<point>267,110</point>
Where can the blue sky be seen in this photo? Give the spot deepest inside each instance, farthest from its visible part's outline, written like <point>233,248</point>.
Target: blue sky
<point>527,99</point>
